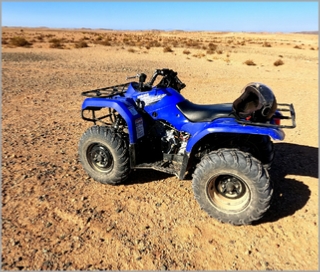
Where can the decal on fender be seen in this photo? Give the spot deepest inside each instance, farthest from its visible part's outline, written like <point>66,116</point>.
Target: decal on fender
<point>139,127</point>
<point>148,100</point>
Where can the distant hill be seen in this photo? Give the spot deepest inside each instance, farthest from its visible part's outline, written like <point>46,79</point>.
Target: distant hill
<point>307,32</point>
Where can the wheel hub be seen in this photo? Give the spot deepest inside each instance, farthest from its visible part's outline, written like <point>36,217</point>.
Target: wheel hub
<point>100,158</point>
<point>230,187</point>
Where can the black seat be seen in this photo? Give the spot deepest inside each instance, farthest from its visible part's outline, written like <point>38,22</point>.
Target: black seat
<point>204,113</point>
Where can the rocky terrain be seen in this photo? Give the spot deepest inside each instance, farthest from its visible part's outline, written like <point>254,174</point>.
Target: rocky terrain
<point>54,217</point>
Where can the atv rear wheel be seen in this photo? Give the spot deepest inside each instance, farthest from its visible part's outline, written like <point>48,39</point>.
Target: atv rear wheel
<point>104,155</point>
<point>232,186</point>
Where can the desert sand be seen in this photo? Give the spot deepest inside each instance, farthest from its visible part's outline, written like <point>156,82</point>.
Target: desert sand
<point>54,217</point>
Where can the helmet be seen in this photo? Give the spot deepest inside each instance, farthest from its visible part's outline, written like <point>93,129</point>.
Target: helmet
<point>257,102</point>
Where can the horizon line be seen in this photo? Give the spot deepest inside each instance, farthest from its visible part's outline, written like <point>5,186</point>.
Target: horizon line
<point>164,30</point>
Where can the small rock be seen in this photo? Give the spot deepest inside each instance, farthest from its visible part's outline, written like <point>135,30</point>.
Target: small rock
<point>164,267</point>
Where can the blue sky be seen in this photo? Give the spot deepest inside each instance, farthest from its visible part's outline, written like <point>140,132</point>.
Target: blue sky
<point>189,16</point>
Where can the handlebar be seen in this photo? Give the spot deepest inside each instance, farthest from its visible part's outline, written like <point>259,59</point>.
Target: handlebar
<point>169,79</point>
<point>161,72</point>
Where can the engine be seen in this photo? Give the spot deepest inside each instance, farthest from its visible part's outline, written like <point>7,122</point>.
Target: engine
<point>172,140</point>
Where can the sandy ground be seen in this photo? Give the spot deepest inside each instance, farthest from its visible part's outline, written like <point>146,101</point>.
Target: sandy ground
<point>54,217</point>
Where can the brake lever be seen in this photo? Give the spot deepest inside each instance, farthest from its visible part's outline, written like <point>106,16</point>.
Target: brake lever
<point>132,77</point>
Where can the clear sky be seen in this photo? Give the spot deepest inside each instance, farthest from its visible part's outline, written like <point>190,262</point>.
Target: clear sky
<point>166,15</point>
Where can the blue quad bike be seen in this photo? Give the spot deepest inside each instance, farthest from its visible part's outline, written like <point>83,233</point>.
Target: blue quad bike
<point>227,147</point>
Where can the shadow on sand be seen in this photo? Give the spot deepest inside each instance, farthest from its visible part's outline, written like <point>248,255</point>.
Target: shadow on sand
<point>290,194</point>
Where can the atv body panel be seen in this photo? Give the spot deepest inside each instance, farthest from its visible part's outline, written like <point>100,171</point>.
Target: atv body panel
<point>125,107</point>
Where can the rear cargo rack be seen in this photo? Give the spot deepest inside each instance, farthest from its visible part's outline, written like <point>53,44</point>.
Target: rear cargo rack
<point>283,111</point>
<point>107,91</point>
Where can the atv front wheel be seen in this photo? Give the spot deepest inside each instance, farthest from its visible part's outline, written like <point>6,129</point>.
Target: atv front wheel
<point>104,155</point>
<point>232,186</point>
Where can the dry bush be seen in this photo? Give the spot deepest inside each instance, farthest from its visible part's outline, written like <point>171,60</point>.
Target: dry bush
<point>4,41</point>
<point>210,51</point>
<point>131,50</point>
<point>40,38</point>
<point>298,47</point>
<point>266,44</point>
<point>198,55</point>
<point>105,43</point>
<point>219,52</point>
<point>81,44</point>
<point>187,52</point>
<point>192,43</point>
<point>278,62</point>
<point>56,43</point>
<point>167,49</point>
<point>212,46</point>
<point>19,41</point>
<point>249,63</point>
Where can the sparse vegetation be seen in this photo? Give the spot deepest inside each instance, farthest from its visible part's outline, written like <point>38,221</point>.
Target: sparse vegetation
<point>249,63</point>
<point>19,42</point>
<point>105,43</point>
<point>81,44</point>
<point>278,62</point>
<point>167,49</point>
<point>266,44</point>
<point>56,43</point>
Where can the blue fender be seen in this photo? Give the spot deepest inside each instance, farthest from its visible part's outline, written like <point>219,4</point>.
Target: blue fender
<point>125,107</point>
<point>230,125</point>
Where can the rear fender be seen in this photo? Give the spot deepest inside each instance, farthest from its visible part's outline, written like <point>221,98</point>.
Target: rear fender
<point>126,108</point>
<point>229,125</point>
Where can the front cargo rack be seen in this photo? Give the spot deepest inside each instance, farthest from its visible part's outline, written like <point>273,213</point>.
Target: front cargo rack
<point>283,111</point>
<point>107,91</point>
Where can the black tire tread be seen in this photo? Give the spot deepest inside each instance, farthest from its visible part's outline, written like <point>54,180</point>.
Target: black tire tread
<point>115,143</point>
<point>236,160</point>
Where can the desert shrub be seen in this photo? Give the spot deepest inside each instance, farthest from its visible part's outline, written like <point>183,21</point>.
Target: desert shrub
<point>297,47</point>
<point>19,41</point>
<point>167,49</point>
<point>249,63</point>
<point>56,43</point>
<point>212,46</point>
<point>219,52</point>
<point>81,44</point>
<point>40,38</point>
<point>278,62</point>
<point>187,52</point>
<point>198,55</point>
<point>4,41</point>
<point>266,44</point>
<point>105,43</point>
<point>210,51</point>
<point>131,50</point>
